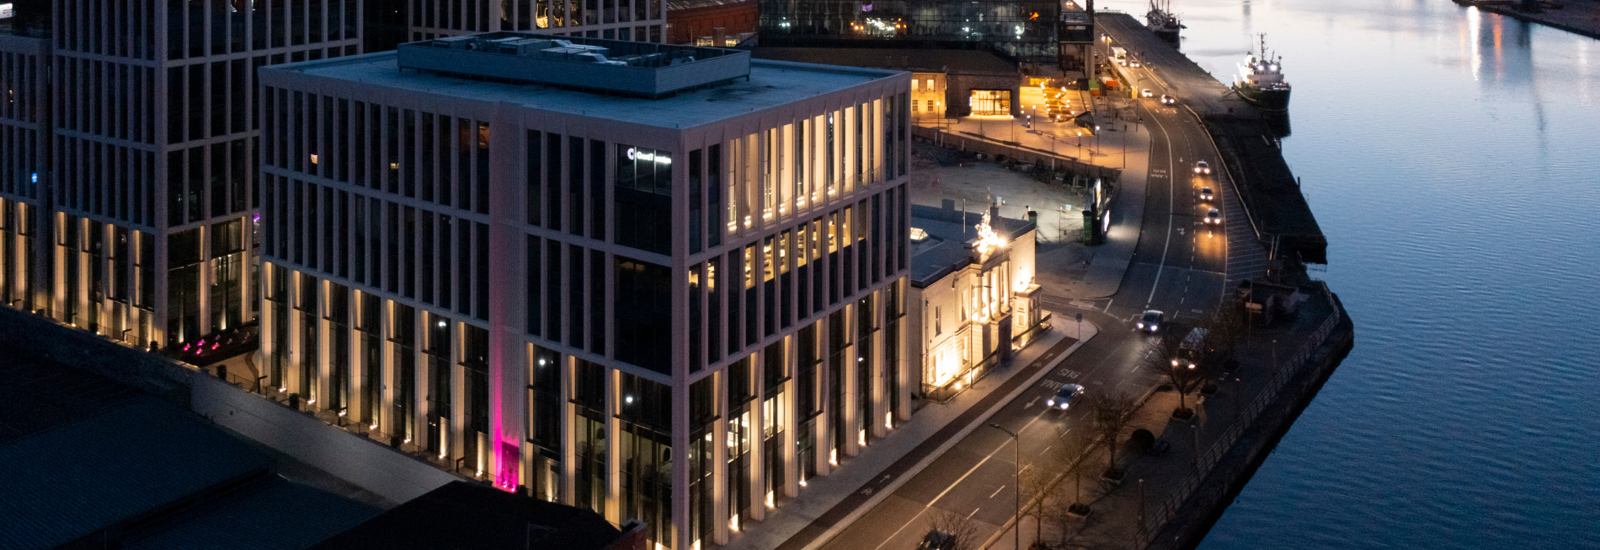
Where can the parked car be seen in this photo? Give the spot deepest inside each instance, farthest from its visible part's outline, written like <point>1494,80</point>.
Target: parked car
<point>1202,167</point>
<point>1064,397</point>
<point>1151,321</point>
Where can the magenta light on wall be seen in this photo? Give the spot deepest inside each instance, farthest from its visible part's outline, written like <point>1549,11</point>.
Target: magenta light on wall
<point>510,459</point>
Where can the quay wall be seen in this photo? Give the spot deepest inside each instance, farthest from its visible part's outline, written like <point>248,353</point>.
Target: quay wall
<point>1190,522</point>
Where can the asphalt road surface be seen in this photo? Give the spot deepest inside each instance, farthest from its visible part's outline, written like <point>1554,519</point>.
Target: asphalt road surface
<point>1179,267</point>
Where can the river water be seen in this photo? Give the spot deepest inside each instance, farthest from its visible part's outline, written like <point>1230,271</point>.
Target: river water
<point>1452,158</point>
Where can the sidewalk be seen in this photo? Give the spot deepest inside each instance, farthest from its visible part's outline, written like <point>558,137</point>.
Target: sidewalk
<point>1121,143</point>
<point>830,503</point>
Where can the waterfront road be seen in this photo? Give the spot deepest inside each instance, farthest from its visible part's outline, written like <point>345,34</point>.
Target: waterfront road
<point>1177,268</point>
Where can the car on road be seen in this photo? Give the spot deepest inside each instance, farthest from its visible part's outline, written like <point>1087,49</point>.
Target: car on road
<point>1151,320</point>
<point>1133,62</point>
<point>1064,397</point>
<point>1147,93</point>
<point>1213,216</point>
<point>937,540</point>
<point>1202,167</point>
<point>1205,193</point>
<point>1168,100</point>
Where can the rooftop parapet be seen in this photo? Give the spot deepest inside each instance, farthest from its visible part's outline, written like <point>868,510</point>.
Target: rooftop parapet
<point>639,69</point>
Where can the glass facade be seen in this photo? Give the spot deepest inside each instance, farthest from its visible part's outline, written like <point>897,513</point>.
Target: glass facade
<point>1025,31</point>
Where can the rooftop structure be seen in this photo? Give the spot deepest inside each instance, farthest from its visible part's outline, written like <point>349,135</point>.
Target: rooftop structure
<point>591,64</point>
<point>769,84</point>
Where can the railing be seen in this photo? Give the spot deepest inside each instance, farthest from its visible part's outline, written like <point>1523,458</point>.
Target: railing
<point>1281,375</point>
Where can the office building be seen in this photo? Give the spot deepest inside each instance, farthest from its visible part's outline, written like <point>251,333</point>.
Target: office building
<point>1021,32</point>
<point>662,283</point>
<point>128,207</point>
<point>635,20</point>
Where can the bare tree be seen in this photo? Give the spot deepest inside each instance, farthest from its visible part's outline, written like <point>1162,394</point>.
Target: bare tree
<point>961,531</point>
<point>1225,330</point>
<point>1179,366</point>
<point>1111,412</point>
<point>1039,488</point>
<point>1065,507</point>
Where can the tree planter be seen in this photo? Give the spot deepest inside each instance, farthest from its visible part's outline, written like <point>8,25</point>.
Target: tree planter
<point>1079,509</point>
<point>1183,414</point>
<point>1114,476</point>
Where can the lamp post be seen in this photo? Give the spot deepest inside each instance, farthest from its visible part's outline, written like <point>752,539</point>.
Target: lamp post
<point>1017,494</point>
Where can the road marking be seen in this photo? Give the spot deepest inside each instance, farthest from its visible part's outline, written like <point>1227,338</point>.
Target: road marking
<point>974,512</point>
<point>947,490</point>
<point>1031,402</point>
<point>1171,193</point>
<point>996,492</point>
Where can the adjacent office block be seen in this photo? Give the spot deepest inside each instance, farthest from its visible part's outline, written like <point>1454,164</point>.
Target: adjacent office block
<point>129,211</point>
<point>657,282</point>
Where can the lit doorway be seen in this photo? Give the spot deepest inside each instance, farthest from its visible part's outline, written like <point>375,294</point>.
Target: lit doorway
<point>991,102</point>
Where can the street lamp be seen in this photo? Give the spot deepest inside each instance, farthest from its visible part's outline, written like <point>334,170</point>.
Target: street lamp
<point>1016,520</point>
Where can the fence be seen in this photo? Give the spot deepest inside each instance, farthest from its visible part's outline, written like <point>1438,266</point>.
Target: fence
<point>1282,373</point>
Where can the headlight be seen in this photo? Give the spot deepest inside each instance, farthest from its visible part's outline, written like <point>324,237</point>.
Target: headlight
<point>1153,327</point>
<point>1141,325</point>
<point>1051,403</point>
<point>1063,406</point>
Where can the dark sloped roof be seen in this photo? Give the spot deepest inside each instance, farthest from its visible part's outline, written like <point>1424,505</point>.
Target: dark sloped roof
<point>124,463</point>
<point>467,515</point>
<point>946,249</point>
<point>678,5</point>
<point>285,516</point>
<point>906,59</point>
<point>34,398</point>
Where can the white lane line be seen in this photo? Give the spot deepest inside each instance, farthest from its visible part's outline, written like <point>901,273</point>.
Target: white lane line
<point>1171,193</point>
<point>997,491</point>
<point>974,512</point>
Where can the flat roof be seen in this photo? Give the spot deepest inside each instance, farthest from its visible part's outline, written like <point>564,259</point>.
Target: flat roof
<point>770,84</point>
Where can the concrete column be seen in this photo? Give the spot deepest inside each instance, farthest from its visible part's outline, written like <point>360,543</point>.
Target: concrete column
<point>791,418</point>
<point>880,367</point>
<point>388,378</point>
<point>109,325</point>
<point>353,404</point>
<point>613,509</point>
<point>324,346</point>
<point>293,350</point>
<point>905,329</point>
<point>569,436</point>
<point>719,463</point>
<point>203,280</point>
<point>457,423</point>
<point>849,364</point>
<point>824,427</point>
<point>758,470</point>
<point>680,461</point>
